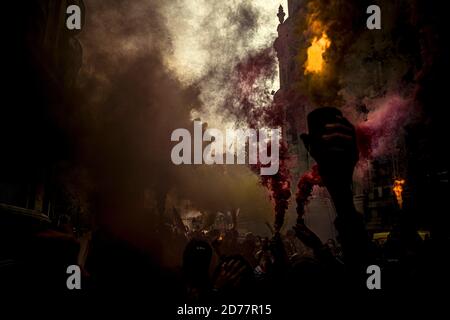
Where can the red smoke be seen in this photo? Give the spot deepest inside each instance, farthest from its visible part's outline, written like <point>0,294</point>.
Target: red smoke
<point>251,100</point>
<point>305,187</point>
<point>250,96</point>
<point>279,187</point>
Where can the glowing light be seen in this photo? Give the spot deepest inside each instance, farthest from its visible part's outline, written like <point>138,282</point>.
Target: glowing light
<point>398,191</point>
<point>315,61</point>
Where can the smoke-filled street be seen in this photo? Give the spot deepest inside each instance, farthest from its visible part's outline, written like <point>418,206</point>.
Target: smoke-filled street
<point>197,154</point>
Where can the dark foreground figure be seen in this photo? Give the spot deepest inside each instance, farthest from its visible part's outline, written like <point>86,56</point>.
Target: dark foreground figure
<point>287,272</point>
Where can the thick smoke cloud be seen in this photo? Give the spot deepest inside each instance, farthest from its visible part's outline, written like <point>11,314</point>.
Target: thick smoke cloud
<point>152,66</point>
<point>131,101</point>
<point>219,35</point>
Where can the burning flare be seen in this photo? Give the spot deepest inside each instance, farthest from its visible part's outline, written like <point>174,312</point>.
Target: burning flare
<point>315,62</point>
<point>398,190</point>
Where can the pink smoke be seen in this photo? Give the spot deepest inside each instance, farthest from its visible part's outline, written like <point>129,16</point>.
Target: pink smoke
<point>378,135</point>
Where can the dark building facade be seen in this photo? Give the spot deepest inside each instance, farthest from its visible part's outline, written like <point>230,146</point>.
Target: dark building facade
<point>373,196</point>
<point>41,65</point>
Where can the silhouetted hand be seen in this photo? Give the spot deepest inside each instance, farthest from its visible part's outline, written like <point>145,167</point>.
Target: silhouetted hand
<point>331,141</point>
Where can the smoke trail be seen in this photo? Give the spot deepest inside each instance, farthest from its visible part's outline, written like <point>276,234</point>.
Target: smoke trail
<point>305,187</point>
<point>251,102</point>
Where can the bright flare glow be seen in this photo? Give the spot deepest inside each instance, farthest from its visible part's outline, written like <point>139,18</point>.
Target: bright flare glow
<point>315,62</point>
<point>398,191</point>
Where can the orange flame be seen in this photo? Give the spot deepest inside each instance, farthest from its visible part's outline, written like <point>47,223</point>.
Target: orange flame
<point>398,190</point>
<point>315,61</point>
